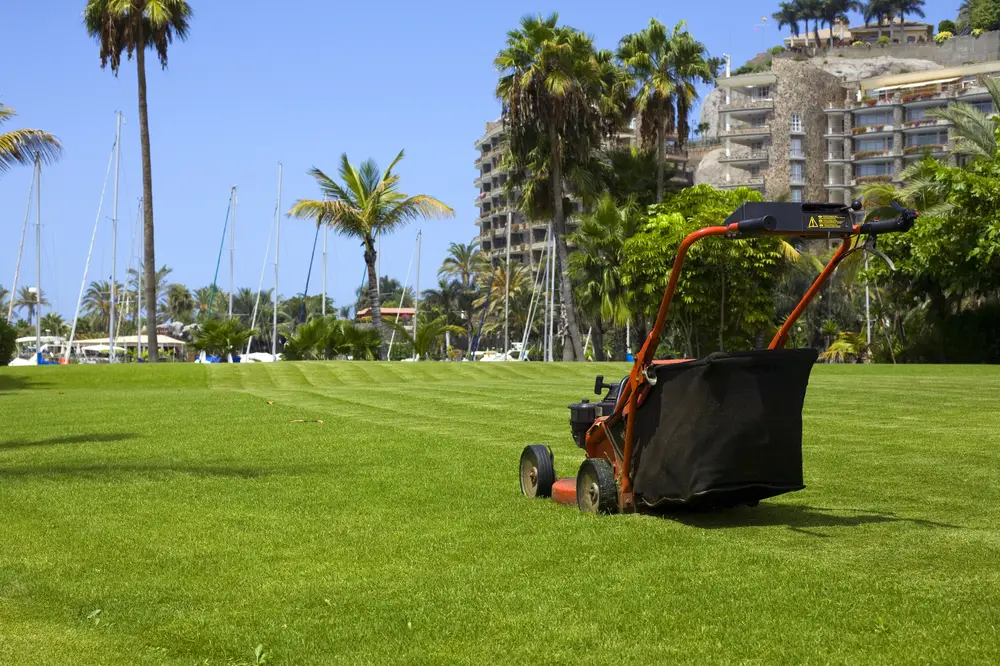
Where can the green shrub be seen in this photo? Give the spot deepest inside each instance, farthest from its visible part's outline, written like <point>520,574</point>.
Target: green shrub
<point>8,342</point>
<point>947,26</point>
<point>977,31</point>
<point>776,50</point>
<point>883,41</point>
<point>943,37</point>
<point>858,43</point>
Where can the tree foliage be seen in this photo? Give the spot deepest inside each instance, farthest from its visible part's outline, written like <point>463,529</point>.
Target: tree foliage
<point>724,297</point>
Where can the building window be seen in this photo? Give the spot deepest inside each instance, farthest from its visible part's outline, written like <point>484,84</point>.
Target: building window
<point>985,107</point>
<point>754,170</point>
<point>873,145</point>
<point>797,194</point>
<point>796,122</point>
<point>879,118</point>
<point>798,172</point>
<point>916,114</point>
<point>874,169</point>
<point>760,94</point>
<point>931,139</point>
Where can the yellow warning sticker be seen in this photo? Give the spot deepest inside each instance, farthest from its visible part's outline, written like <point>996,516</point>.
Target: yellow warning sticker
<point>824,222</point>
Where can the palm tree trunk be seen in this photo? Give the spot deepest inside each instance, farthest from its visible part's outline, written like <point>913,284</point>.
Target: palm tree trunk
<point>149,255</point>
<point>816,31</point>
<point>661,157</point>
<point>562,252</point>
<point>373,301</point>
<point>598,340</point>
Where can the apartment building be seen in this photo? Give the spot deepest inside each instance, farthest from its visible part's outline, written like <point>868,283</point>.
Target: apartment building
<point>527,238</point>
<point>797,132</point>
<point>887,125</point>
<point>770,126</point>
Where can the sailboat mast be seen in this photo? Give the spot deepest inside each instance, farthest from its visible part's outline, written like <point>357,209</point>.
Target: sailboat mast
<point>416,296</point>
<point>552,297</point>
<point>232,250</point>
<point>277,237</point>
<point>38,258</point>
<point>138,290</point>
<point>114,243</point>
<point>506,297</point>
<point>20,250</point>
<point>325,234</point>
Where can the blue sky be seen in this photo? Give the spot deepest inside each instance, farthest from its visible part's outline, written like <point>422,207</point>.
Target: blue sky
<point>298,82</point>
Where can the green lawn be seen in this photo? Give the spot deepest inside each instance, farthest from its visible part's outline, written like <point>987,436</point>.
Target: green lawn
<point>170,515</point>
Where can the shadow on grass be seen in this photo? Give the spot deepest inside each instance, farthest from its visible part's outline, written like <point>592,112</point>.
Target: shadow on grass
<point>10,383</point>
<point>126,468</point>
<point>87,438</point>
<point>795,516</point>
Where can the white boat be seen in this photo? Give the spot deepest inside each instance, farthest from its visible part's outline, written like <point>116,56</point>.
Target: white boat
<point>52,348</point>
<point>513,354</point>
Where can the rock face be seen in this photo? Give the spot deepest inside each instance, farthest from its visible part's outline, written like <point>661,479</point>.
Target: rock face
<point>853,70</point>
<point>709,171</point>
<point>710,112</point>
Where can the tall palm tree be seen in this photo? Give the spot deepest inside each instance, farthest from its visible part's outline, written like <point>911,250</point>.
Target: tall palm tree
<point>21,146</point>
<point>691,64</point>
<point>789,14</point>
<point>834,10</point>
<point>29,302</point>
<point>646,58</point>
<point>631,172</point>
<point>976,131</point>
<point>55,324</point>
<point>810,10</point>
<point>4,301</point>
<point>209,296</point>
<point>596,264</point>
<point>180,303</point>
<point>366,203</point>
<point>553,87</point>
<point>877,10</point>
<point>161,275</point>
<point>96,303</point>
<point>132,27</point>
<point>462,263</point>
<point>912,7</point>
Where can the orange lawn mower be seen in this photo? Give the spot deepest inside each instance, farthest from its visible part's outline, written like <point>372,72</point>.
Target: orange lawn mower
<point>718,432</point>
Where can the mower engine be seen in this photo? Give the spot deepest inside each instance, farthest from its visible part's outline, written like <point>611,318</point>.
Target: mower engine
<point>583,414</point>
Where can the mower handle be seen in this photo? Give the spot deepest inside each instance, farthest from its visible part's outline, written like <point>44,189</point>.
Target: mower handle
<point>903,222</point>
<point>766,223</point>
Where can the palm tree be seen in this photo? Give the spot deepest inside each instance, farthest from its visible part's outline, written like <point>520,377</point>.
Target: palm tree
<point>810,9</point>
<point>646,57</point>
<point>553,86</point>
<point>878,10</point>
<point>788,14</point>
<point>4,304</point>
<point>428,334</point>
<point>462,263</point>
<point>975,130</point>
<point>131,27</point>
<point>29,302</point>
<point>365,204</point>
<point>595,265</point>
<point>834,10</point>
<point>222,338</point>
<point>21,146</point>
<point>691,64</point>
<point>180,303</point>
<point>913,7</point>
<point>96,303</point>
<point>209,296</point>
<point>631,172</point>
<point>55,324</point>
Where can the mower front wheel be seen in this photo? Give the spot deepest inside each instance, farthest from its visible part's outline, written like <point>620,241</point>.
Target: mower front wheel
<point>596,490</point>
<point>538,471</point>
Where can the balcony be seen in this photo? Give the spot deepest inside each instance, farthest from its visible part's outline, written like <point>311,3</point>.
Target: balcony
<point>836,184</point>
<point>797,131</point>
<point>752,182</point>
<point>873,130</point>
<point>747,132</point>
<point>796,154</point>
<point>837,157</point>
<point>745,158</point>
<point>797,179</point>
<point>877,155</point>
<point>747,105</point>
<point>836,133</point>
<point>924,124</point>
<point>876,103</point>
<point>917,152</point>
<point>838,107</point>
<point>865,180</point>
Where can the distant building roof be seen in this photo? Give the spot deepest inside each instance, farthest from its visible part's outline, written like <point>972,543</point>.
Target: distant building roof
<point>885,25</point>
<point>386,312</point>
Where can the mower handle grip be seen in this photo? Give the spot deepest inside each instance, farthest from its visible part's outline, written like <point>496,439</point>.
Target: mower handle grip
<point>903,222</point>
<point>766,223</point>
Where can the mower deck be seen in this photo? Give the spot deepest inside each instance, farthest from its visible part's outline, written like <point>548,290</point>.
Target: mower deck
<point>564,491</point>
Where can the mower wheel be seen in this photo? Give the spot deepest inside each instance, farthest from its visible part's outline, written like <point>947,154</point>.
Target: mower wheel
<point>596,490</point>
<point>538,471</point>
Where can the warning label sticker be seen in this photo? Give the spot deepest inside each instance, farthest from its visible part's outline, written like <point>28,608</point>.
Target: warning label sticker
<point>825,222</point>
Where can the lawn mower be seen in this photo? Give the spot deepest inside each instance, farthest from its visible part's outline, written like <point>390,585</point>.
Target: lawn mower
<point>717,432</point>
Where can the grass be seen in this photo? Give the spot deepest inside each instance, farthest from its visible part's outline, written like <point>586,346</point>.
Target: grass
<point>171,515</point>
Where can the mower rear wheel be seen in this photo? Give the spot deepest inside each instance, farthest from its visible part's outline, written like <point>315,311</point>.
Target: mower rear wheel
<point>538,471</point>
<point>596,490</point>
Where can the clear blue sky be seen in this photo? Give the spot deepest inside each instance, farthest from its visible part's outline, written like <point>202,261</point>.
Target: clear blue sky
<point>298,82</point>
